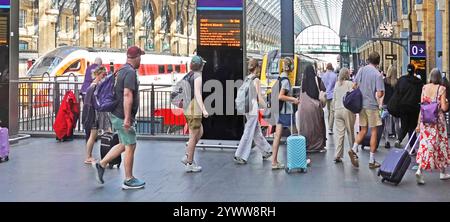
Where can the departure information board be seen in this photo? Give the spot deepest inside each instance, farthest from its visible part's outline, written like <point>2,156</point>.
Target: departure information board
<point>220,32</point>
<point>221,42</point>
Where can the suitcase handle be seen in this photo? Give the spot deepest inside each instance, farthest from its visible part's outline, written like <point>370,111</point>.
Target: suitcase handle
<point>415,143</point>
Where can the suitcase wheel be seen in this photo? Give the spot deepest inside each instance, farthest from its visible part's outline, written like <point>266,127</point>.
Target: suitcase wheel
<point>118,166</point>
<point>6,158</point>
<point>304,170</point>
<point>111,166</point>
<point>288,171</point>
<point>383,180</point>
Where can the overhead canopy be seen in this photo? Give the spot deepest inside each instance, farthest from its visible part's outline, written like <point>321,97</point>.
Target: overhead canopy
<point>307,13</point>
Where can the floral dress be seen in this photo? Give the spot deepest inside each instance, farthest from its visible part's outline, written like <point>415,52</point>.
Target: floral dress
<point>434,152</point>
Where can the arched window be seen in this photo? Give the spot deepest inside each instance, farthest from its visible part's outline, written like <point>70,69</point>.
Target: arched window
<point>165,26</point>
<point>101,10</point>
<point>149,24</point>
<point>127,16</point>
<point>317,39</point>
<point>180,16</point>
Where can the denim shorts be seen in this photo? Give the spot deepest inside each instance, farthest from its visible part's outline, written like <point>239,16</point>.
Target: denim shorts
<point>286,120</point>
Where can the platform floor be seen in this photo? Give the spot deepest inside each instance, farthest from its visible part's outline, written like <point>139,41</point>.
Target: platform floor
<point>44,170</point>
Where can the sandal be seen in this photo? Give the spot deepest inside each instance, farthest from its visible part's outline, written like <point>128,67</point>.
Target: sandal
<point>90,162</point>
<point>278,166</point>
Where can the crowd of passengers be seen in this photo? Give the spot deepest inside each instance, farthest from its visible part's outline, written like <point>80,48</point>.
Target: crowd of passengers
<point>304,112</point>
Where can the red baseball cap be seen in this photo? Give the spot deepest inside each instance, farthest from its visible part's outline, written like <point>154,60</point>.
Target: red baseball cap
<point>134,52</point>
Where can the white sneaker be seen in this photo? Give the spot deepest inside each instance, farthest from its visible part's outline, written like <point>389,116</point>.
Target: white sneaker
<point>419,178</point>
<point>184,161</point>
<point>445,176</point>
<point>193,168</point>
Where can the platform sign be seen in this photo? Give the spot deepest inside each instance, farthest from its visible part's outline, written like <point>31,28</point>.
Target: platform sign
<point>220,41</point>
<point>418,49</point>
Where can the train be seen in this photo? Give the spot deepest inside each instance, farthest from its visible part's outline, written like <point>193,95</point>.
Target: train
<point>71,63</point>
<point>272,67</point>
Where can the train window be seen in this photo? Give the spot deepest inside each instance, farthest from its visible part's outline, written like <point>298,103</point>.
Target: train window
<point>169,68</point>
<point>161,69</point>
<point>178,68</point>
<point>74,67</point>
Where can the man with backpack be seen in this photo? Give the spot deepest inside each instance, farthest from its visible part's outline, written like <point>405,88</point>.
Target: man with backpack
<point>194,111</point>
<point>123,119</point>
<point>370,81</point>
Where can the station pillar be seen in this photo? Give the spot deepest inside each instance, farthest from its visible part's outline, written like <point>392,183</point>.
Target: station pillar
<point>287,28</point>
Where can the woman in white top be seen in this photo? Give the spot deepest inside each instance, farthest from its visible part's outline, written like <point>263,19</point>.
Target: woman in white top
<point>252,131</point>
<point>344,119</point>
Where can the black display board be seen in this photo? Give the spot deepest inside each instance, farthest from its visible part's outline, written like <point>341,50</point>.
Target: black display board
<point>220,41</point>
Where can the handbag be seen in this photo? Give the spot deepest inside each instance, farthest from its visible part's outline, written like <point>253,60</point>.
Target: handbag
<point>430,111</point>
<point>353,100</point>
<point>322,95</point>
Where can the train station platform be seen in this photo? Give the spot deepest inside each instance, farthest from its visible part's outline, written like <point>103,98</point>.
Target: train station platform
<point>44,170</point>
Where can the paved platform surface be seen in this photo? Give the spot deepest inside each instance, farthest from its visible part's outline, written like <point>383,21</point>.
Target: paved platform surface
<point>44,170</point>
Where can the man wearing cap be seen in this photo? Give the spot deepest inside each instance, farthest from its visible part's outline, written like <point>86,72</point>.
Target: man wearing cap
<point>123,119</point>
<point>194,114</point>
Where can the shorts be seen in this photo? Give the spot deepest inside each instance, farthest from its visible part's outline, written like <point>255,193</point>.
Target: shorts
<point>194,122</point>
<point>286,120</point>
<point>125,137</point>
<point>370,118</point>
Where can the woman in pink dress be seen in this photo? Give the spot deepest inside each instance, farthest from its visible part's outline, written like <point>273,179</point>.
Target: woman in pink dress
<point>434,152</point>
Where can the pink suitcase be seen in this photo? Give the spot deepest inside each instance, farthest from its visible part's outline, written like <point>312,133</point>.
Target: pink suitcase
<point>4,144</point>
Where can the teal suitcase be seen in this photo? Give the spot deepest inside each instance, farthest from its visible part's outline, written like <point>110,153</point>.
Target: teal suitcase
<point>296,154</point>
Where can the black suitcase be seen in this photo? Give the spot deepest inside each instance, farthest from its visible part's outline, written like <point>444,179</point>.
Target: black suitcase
<point>108,141</point>
<point>366,141</point>
<point>396,164</point>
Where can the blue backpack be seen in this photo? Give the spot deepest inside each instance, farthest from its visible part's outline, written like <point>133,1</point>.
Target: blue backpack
<point>105,96</point>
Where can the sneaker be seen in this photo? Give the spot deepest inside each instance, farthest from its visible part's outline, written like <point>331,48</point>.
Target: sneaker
<point>374,165</point>
<point>388,145</point>
<point>193,168</point>
<point>445,176</point>
<point>267,155</point>
<point>354,158</point>
<point>133,184</point>
<point>398,144</point>
<point>99,171</point>
<point>419,178</point>
<point>239,161</point>
<point>184,161</point>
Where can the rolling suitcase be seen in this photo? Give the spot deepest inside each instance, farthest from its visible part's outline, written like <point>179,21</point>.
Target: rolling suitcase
<point>366,141</point>
<point>108,141</point>
<point>396,164</point>
<point>4,145</point>
<point>296,153</point>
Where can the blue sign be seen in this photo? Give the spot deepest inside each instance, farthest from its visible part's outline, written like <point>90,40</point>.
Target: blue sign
<point>418,49</point>
<point>5,4</point>
<point>222,5</point>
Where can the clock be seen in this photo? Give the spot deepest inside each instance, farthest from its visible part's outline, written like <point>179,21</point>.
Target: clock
<point>386,29</point>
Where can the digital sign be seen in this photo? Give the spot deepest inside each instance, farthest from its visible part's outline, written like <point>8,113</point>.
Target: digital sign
<point>418,49</point>
<point>220,32</point>
<point>219,3</point>
<point>5,3</point>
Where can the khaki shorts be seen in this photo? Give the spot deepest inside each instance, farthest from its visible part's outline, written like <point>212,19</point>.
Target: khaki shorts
<point>370,118</point>
<point>194,122</point>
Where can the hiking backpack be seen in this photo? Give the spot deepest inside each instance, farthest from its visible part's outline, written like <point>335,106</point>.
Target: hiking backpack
<point>183,92</point>
<point>243,97</point>
<point>105,95</point>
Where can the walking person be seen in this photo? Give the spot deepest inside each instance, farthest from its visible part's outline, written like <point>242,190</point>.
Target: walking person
<point>286,115</point>
<point>410,90</point>
<point>370,82</point>
<point>123,119</point>
<point>194,114</point>
<point>88,76</point>
<point>252,131</point>
<point>90,117</point>
<point>329,80</point>
<point>434,151</point>
<point>391,123</point>
<point>344,119</point>
<point>310,113</point>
